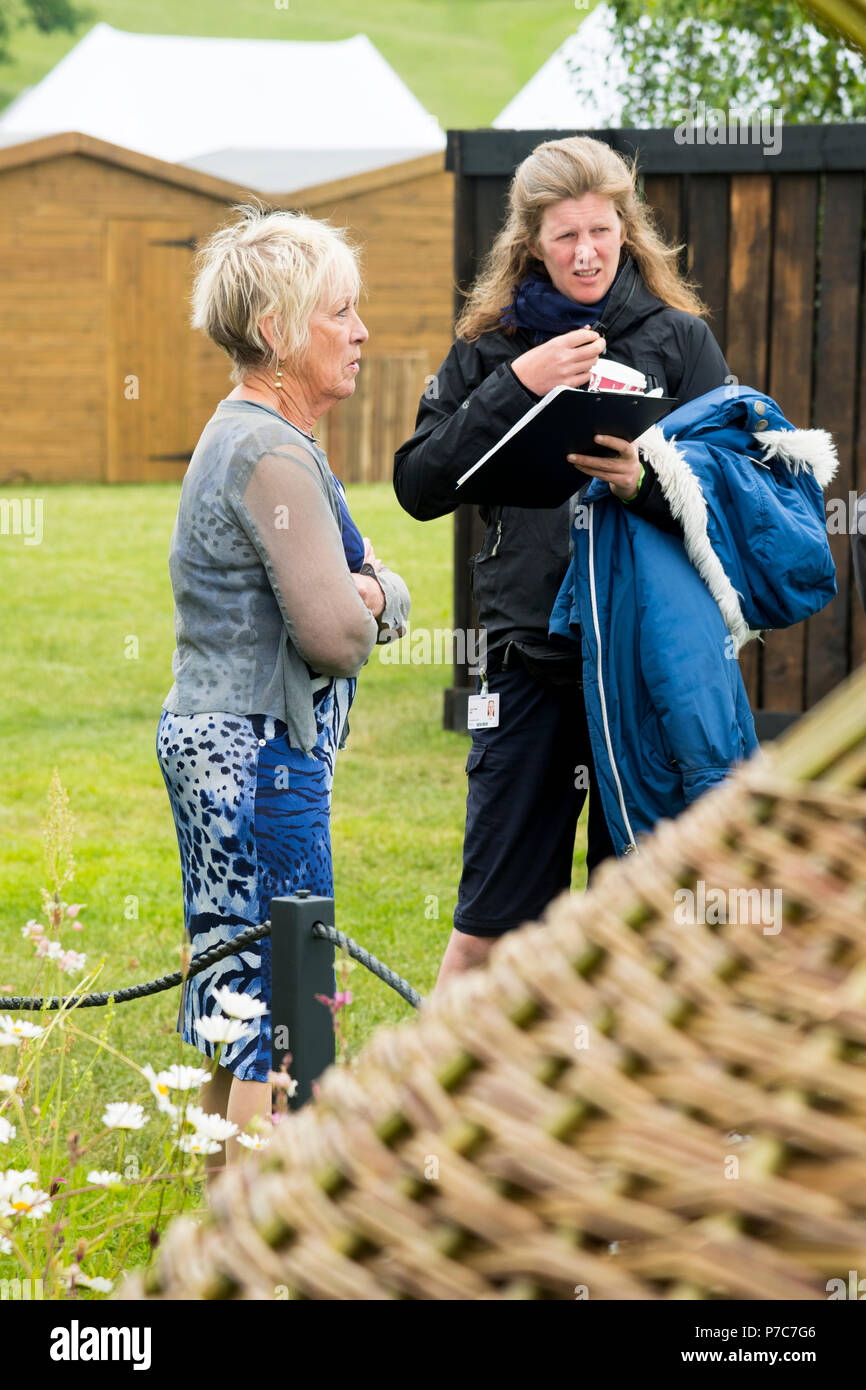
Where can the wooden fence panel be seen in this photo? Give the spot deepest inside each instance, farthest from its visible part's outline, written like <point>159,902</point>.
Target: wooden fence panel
<point>707,261</point>
<point>791,347</point>
<point>835,364</point>
<point>664,194</point>
<point>747,319</point>
<point>362,434</point>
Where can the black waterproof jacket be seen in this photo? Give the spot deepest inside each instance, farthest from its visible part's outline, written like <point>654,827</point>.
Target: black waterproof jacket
<point>475,397</point>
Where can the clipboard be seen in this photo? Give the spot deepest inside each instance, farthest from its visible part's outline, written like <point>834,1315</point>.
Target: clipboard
<point>528,466</point>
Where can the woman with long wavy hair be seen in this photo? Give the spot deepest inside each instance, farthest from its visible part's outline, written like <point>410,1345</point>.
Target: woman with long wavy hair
<point>577,272</point>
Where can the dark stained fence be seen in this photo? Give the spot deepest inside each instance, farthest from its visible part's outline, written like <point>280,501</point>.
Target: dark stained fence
<point>776,245</point>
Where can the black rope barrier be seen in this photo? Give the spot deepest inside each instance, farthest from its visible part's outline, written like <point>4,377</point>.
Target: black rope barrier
<point>375,967</point>
<point>123,996</point>
<point>208,958</point>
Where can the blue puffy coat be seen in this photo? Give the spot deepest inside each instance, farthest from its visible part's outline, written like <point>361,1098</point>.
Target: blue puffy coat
<point>661,620</point>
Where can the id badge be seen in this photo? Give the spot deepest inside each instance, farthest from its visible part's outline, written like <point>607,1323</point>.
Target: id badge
<point>483,711</point>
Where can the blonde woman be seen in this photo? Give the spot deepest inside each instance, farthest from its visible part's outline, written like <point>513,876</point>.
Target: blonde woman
<point>272,625</point>
<point>576,273</point>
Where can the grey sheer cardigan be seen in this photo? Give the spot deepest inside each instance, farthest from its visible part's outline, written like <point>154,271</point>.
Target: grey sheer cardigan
<point>264,601</point>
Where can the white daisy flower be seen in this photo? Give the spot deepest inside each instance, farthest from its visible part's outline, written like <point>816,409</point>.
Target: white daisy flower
<point>121,1114</point>
<point>159,1091</point>
<point>253,1141</point>
<point>26,1201</point>
<point>75,1278</point>
<point>238,1005</point>
<point>221,1030</point>
<point>178,1078</point>
<point>103,1177</point>
<point>13,1178</point>
<point>7,1131</point>
<point>198,1144</point>
<point>96,1283</point>
<point>8,1083</point>
<point>5,1245</point>
<point>212,1126</point>
<point>19,1027</point>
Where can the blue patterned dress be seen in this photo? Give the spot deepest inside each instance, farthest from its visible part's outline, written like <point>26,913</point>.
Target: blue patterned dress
<point>253,822</point>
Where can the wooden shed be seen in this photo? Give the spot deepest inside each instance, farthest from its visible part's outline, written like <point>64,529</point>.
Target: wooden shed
<point>102,378</point>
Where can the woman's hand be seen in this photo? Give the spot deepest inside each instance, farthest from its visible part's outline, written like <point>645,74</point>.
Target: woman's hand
<point>371,592</point>
<point>370,589</point>
<point>563,361</point>
<point>370,554</point>
<point>621,472</point>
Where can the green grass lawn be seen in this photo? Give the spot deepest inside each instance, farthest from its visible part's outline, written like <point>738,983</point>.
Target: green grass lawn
<point>463,59</point>
<point>72,697</point>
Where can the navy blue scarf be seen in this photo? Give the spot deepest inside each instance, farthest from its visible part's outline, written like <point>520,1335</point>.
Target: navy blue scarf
<point>538,305</point>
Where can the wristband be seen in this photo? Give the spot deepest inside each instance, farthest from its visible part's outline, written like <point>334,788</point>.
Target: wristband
<point>626,500</point>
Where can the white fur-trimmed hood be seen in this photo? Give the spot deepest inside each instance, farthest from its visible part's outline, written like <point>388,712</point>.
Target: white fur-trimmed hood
<point>688,506</point>
<point>812,449</point>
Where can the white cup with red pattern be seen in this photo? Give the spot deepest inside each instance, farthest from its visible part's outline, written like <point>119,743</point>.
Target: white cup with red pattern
<point>614,376</point>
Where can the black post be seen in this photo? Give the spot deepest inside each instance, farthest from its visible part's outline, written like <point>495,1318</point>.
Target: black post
<point>302,966</point>
<point>468,526</point>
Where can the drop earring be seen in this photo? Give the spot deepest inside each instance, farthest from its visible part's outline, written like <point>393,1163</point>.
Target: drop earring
<point>278,384</point>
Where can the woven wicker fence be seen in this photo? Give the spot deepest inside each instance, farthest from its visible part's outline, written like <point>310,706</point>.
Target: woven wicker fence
<point>622,1106</point>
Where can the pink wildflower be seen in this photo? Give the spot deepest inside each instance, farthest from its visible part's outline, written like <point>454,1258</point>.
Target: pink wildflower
<point>341,1000</point>
<point>72,962</point>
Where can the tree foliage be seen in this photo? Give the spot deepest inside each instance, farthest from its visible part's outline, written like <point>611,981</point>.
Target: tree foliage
<point>45,15</point>
<point>741,56</point>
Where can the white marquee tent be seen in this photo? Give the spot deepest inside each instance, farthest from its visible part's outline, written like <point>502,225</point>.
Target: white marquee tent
<point>576,88</point>
<point>272,114</point>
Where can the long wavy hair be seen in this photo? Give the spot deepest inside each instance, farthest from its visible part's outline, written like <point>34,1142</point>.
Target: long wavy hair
<point>555,170</point>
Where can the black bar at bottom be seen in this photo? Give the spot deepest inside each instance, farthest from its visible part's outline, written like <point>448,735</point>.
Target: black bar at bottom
<point>302,966</point>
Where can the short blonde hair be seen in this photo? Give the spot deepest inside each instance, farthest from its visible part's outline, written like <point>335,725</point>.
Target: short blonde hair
<point>269,262</point>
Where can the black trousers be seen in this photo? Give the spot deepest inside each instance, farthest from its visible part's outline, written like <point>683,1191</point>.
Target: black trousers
<point>528,780</point>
